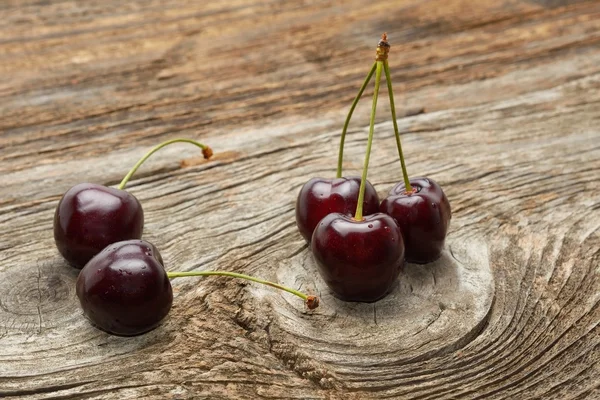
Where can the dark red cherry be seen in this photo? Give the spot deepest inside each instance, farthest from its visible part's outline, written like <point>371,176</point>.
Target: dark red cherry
<point>359,260</point>
<point>124,289</point>
<point>423,216</point>
<point>90,217</point>
<point>320,197</point>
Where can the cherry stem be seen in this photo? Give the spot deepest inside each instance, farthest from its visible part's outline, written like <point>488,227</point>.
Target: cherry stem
<point>347,122</point>
<point>311,302</point>
<point>361,194</point>
<point>206,151</point>
<point>388,79</point>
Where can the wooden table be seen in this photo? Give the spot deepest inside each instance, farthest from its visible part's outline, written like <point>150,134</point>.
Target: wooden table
<point>499,101</point>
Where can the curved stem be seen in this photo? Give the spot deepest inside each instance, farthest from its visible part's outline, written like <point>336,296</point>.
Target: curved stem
<point>388,79</point>
<point>347,122</point>
<point>206,151</point>
<point>361,194</point>
<point>311,301</point>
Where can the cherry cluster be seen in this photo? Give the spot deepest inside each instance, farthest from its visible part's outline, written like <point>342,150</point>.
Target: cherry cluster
<point>123,286</point>
<point>360,244</point>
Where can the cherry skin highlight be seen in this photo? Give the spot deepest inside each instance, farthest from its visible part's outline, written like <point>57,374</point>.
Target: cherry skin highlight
<point>359,260</point>
<point>124,290</point>
<point>90,217</point>
<point>320,197</point>
<point>423,217</point>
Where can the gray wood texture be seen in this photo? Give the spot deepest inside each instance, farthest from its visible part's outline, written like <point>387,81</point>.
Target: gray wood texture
<point>499,101</point>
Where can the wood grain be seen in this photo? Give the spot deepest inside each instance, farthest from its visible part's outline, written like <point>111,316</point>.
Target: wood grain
<point>498,101</point>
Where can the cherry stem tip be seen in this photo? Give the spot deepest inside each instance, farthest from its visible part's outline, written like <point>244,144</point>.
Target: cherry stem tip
<point>206,152</point>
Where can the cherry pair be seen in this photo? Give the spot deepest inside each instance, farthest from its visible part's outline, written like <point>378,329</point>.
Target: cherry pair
<point>123,287</point>
<point>361,256</point>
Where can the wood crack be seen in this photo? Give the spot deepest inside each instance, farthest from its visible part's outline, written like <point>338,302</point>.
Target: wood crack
<point>39,305</point>
<point>41,390</point>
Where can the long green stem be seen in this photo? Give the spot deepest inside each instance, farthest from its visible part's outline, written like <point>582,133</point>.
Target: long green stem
<point>206,151</point>
<point>361,194</point>
<point>388,79</point>
<point>312,302</point>
<point>347,122</point>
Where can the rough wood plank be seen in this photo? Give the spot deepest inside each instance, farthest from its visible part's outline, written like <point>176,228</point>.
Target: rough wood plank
<point>510,91</point>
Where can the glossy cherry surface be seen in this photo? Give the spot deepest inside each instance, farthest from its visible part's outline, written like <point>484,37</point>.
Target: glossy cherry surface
<point>89,217</point>
<point>320,197</point>
<point>359,260</point>
<point>423,216</point>
<point>124,290</point>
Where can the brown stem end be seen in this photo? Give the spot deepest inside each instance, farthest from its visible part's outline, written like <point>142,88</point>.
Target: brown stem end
<point>410,192</point>
<point>312,302</point>
<point>383,48</point>
<point>207,152</point>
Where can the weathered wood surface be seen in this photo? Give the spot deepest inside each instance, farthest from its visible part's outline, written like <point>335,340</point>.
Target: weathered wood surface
<point>511,129</point>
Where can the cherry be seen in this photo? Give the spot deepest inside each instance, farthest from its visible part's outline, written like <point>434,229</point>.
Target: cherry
<point>418,205</point>
<point>423,216</point>
<point>125,290</point>
<point>321,196</point>
<point>360,258</point>
<point>90,217</point>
